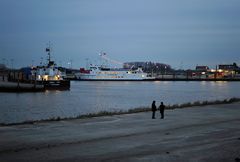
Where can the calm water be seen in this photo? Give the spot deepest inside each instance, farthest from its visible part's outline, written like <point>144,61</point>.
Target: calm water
<point>89,97</point>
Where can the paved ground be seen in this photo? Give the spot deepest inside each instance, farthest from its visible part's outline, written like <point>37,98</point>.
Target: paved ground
<point>210,133</point>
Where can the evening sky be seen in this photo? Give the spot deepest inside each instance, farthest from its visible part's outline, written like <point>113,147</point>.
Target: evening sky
<point>182,33</point>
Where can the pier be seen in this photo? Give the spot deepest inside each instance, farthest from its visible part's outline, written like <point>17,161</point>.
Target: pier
<point>20,87</point>
<point>197,79</point>
<point>16,81</point>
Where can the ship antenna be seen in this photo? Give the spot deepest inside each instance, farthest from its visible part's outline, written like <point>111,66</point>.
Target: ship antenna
<point>48,50</point>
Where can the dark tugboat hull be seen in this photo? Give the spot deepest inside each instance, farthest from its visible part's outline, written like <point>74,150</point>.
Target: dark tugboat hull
<point>56,85</point>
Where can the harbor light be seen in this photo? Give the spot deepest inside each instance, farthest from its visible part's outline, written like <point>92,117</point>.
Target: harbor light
<point>45,77</point>
<point>57,77</point>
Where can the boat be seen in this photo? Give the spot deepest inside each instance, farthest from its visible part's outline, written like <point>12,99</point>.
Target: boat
<point>105,73</point>
<point>50,75</point>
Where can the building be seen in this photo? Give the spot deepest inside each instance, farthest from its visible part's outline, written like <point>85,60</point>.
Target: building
<point>228,70</point>
<point>228,67</point>
<point>200,72</point>
<point>202,68</point>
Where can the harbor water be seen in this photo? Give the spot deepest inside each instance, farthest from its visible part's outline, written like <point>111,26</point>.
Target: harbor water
<point>91,97</point>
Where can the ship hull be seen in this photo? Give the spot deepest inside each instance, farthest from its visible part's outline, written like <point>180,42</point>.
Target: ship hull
<point>56,85</point>
<point>152,79</point>
<point>114,78</point>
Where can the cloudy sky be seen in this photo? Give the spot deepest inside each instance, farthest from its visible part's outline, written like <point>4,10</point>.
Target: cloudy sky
<point>182,33</point>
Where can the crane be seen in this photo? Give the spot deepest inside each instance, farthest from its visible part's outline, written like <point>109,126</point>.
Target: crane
<point>103,55</point>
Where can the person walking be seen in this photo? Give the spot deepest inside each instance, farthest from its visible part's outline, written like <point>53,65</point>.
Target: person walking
<point>162,107</point>
<point>154,109</point>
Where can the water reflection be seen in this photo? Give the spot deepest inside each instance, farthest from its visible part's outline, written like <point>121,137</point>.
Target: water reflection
<point>89,97</point>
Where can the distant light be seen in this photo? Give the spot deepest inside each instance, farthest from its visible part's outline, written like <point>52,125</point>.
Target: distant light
<point>143,76</point>
<point>203,73</point>
<point>45,77</point>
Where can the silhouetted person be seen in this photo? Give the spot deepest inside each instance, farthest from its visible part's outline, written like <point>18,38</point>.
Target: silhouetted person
<point>162,107</point>
<point>154,109</point>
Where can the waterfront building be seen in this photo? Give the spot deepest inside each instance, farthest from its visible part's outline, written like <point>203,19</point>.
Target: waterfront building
<point>228,70</point>
<point>202,68</point>
<point>201,72</point>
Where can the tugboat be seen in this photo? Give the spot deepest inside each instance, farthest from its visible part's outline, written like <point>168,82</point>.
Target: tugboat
<point>51,76</point>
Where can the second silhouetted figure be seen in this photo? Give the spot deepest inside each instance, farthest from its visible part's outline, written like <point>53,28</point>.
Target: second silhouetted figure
<point>162,107</point>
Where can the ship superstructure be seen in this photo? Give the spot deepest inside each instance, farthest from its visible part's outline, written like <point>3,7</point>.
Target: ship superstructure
<point>50,74</point>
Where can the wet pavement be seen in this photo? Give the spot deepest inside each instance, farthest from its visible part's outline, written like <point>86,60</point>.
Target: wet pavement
<point>207,133</point>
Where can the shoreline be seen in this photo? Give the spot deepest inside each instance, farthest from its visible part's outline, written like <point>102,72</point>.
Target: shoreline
<point>130,111</point>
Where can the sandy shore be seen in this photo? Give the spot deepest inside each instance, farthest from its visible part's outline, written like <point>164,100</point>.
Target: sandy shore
<point>209,133</point>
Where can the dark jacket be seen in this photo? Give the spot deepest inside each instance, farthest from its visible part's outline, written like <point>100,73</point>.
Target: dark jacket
<point>154,108</point>
<point>162,107</point>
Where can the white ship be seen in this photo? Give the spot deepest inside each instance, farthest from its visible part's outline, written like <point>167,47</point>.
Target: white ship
<point>105,73</point>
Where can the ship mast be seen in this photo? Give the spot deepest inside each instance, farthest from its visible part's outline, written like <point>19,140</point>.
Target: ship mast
<point>48,50</point>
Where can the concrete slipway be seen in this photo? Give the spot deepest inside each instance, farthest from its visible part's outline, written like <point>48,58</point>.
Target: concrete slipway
<point>210,133</point>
